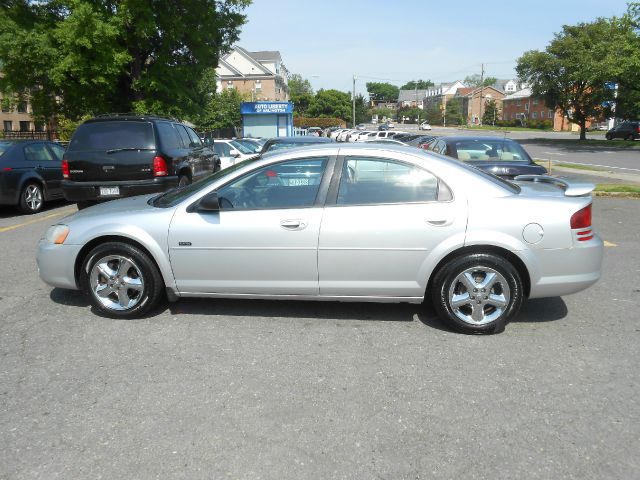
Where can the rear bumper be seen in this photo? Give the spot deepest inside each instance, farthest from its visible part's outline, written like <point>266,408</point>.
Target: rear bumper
<point>85,191</point>
<point>567,271</point>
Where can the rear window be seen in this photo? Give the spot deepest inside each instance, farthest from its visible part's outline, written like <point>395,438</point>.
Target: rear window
<point>4,146</point>
<point>113,135</point>
<point>491,150</point>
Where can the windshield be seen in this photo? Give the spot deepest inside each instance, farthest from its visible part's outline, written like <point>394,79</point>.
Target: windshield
<point>490,150</point>
<point>241,147</point>
<point>176,195</point>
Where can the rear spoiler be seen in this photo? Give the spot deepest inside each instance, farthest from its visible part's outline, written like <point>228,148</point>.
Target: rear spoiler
<point>570,189</point>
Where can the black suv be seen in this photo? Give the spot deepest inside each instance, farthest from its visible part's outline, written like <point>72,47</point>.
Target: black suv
<point>626,130</point>
<point>121,156</point>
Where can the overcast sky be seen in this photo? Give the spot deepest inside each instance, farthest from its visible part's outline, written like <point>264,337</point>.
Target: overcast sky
<point>329,41</point>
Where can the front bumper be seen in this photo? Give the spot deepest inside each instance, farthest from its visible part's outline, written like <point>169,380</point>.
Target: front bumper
<point>85,191</point>
<point>56,264</point>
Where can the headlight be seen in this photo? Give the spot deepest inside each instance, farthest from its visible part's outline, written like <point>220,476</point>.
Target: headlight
<point>56,234</point>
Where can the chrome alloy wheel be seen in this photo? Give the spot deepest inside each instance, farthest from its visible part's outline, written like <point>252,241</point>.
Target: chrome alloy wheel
<point>479,295</point>
<point>117,282</point>
<point>33,197</point>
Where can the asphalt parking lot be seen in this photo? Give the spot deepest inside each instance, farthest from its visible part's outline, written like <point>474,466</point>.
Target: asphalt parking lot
<point>275,390</point>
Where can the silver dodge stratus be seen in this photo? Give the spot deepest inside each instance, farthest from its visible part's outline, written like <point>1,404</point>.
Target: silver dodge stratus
<point>348,223</point>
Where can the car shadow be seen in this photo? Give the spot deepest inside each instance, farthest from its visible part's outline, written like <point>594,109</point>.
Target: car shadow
<point>539,310</point>
<point>296,309</point>
<point>71,298</point>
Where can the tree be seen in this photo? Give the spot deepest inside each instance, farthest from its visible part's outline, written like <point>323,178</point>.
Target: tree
<point>90,56</point>
<point>221,111</point>
<point>300,93</point>
<point>475,81</point>
<point>361,109</point>
<point>490,114</point>
<point>573,71</point>
<point>627,100</point>
<point>454,112</point>
<point>382,91</point>
<point>331,103</point>
<point>417,84</point>
<point>412,114</point>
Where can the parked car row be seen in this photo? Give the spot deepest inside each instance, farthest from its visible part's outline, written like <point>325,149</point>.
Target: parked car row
<point>624,130</point>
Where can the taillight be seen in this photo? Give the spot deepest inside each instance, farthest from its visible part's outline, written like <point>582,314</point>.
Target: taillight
<point>581,220</point>
<point>65,168</point>
<point>159,167</point>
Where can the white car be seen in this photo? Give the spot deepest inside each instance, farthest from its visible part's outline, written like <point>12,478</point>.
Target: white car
<point>231,152</point>
<point>425,126</point>
<point>344,135</point>
<point>363,137</point>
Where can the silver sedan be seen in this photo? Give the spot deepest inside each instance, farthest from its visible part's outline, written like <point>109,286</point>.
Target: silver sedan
<point>374,223</point>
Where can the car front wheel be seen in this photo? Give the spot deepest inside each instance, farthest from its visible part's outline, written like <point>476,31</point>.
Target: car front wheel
<point>608,136</point>
<point>121,280</point>
<point>477,293</point>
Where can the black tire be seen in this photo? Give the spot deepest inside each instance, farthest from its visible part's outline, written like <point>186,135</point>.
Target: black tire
<point>629,137</point>
<point>31,198</point>
<point>479,266</point>
<point>608,136</point>
<point>85,204</point>
<point>183,180</point>
<point>143,275</point>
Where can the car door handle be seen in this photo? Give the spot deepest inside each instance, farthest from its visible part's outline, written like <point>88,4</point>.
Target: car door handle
<point>439,222</point>
<point>293,224</point>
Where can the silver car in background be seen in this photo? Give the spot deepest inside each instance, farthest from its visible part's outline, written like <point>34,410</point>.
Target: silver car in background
<point>366,222</point>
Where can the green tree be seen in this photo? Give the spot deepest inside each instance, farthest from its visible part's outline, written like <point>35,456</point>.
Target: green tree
<point>331,103</point>
<point>475,80</point>
<point>627,101</point>
<point>490,113</point>
<point>300,93</point>
<point>412,114</point>
<point>454,112</point>
<point>433,115</point>
<point>361,109</point>
<point>87,56</point>
<point>417,84</point>
<point>382,91</point>
<point>221,111</point>
<point>573,71</point>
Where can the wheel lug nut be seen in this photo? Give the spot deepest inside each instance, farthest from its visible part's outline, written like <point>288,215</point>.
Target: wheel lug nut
<point>486,298</point>
<point>475,289</point>
<point>479,302</point>
<point>473,297</point>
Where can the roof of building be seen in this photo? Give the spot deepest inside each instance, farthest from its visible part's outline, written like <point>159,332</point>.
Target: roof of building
<point>266,56</point>
<point>524,93</point>
<point>411,95</point>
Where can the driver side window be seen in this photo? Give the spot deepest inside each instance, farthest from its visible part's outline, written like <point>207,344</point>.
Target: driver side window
<point>292,184</point>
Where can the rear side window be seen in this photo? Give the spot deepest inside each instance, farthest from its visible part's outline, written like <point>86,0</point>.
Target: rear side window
<point>37,152</point>
<point>168,135</point>
<point>113,135</point>
<point>195,139</point>
<point>184,135</point>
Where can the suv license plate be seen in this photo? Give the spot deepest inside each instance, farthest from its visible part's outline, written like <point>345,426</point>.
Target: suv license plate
<point>109,191</point>
<point>298,181</point>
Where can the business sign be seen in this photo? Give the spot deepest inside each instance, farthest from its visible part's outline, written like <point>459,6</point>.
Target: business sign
<point>265,108</point>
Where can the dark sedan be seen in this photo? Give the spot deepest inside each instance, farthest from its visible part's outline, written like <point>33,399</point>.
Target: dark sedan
<point>280,143</point>
<point>30,173</point>
<point>500,156</point>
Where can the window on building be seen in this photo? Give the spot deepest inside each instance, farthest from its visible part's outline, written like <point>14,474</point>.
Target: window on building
<point>229,84</point>
<point>519,103</point>
<point>526,107</point>
<point>258,85</point>
<point>550,114</point>
<point>22,107</point>
<point>534,115</point>
<point>24,126</point>
<point>38,126</point>
<point>8,125</point>
<point>535,101</point>
<point>6,105</point>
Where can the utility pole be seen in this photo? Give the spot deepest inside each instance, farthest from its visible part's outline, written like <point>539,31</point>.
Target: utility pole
<point>481,91</point>
<point>354,101</point>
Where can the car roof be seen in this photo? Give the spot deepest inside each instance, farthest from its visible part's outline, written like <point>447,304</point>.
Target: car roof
<point>303,139</point>
<point>485,138</point>
<point>131,117</point>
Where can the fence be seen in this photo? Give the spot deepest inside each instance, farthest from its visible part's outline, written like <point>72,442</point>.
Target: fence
<point>31,135</point>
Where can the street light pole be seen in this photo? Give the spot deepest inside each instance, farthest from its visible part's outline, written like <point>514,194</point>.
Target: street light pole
<point>354,101</point>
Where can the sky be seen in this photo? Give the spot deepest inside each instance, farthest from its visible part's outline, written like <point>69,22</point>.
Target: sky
<point>394,41</point>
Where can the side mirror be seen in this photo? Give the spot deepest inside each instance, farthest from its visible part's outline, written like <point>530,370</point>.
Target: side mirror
<point>209,203</point>
<point>235,154</point>
<point>208,141</point>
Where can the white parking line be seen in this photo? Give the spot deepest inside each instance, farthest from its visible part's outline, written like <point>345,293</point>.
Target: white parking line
<point>604,166</point>
<point>554,153</point>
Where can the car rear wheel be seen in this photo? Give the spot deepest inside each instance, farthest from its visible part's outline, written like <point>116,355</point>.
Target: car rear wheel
<point>183,180</point>
<point>477,293</point>
<point>121,280</point>
<point>608,136</point>
<point>629,137</point>
<point>31,198</point>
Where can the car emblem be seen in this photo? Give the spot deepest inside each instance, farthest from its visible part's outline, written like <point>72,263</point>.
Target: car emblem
<point>108,168</point>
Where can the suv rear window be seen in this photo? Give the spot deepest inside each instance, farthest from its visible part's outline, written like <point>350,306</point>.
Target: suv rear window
<point>113,135</point>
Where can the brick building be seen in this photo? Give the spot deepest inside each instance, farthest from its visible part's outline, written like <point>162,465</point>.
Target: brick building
<point>523,106</point>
